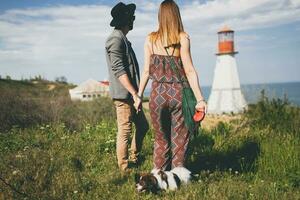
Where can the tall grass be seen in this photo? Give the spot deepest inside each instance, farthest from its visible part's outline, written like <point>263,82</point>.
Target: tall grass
<point>250,158</point>
<point>276,114</point>
<point>276,124</point>
<point>27,104</point>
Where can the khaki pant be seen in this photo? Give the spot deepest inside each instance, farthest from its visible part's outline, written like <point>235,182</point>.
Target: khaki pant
<point>126,115</point>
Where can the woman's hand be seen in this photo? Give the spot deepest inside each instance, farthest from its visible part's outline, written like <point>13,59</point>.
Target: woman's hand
<point>137,102</point>
<point>201,106</point>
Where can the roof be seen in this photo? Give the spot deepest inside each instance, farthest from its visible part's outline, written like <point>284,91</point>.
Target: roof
<point>225,29</point>
<point>105,83</point>
<point>90,85</point>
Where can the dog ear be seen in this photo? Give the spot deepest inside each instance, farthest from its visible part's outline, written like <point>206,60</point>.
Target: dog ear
<point>137,177</point>
<point>154,185</point>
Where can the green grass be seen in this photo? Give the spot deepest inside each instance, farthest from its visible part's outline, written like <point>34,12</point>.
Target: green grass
<point>249,158</point>
<point>26,104</point>
<point>52,163</point>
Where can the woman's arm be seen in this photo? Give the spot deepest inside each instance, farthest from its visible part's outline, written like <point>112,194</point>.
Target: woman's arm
<point>145,73</point>
<point>190,71</point>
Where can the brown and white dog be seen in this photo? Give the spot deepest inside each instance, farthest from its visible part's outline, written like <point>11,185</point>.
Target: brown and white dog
<point>162,180</point>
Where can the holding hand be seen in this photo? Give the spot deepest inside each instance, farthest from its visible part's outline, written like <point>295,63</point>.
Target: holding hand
<point>137,102</point>
<point>201,106</point>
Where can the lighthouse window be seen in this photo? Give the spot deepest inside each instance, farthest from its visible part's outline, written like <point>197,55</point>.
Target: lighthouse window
<point>221,38</point>
<point>227,36</point>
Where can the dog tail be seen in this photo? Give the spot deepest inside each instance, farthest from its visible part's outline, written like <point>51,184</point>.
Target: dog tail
<point>183,174</point>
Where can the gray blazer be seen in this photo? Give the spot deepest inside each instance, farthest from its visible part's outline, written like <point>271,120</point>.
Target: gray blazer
<point>121,60</point>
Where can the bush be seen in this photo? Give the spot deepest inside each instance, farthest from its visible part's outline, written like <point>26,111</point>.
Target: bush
<point>276,114</point>
<point>18,110</point>
<point>26,105</point>
<point>76,114</point>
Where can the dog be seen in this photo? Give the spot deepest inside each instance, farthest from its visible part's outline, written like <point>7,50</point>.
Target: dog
<point>159,180</point>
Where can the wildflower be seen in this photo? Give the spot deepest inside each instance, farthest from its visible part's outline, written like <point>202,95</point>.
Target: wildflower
<point>15,172</point>
<point>236,172</point>
<point>19,156</point>
<point>42,128</point>
<point>110,141</point>
<point>26,148</point>
<point>75,192</point>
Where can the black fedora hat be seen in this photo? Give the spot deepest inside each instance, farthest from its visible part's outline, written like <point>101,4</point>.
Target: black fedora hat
<point>121,14</point>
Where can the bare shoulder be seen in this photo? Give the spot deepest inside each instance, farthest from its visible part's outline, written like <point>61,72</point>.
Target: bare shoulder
<point>148,40</point>
<point>148,37</point>
<point>184,36</point>
<point>184,40</point>
<point>151,36</point>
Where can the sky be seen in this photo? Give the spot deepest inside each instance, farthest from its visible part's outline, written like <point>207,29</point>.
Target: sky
<point>55,38</point>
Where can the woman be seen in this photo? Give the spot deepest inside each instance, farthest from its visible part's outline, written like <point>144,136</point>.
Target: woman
<point>169,43</point>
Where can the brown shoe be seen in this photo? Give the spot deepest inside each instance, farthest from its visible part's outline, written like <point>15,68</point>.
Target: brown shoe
<point>133,159</point>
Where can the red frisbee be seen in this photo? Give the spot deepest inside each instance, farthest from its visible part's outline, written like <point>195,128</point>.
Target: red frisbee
<point>199,116</point>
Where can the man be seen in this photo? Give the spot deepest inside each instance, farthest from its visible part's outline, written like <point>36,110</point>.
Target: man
<point>124,80</point>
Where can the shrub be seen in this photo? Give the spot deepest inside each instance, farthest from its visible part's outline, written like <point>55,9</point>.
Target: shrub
<point>76,114</point>
<point>25,105</point>
<point>276,114</point>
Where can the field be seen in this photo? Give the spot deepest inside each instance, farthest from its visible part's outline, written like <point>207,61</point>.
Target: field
<point>52,148</point>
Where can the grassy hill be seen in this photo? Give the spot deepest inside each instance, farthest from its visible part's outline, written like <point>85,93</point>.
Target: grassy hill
<point>27,104</point>
<point>35,88</point>
<point>52,148</point>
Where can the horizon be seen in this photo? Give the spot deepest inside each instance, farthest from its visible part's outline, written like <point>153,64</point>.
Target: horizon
<point>68,82</point>
<point>54,39</point>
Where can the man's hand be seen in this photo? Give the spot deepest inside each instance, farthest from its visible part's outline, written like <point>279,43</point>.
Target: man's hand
<point>137,102</point>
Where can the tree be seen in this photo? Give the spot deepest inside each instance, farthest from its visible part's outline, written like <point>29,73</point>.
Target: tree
<point>61,79</point>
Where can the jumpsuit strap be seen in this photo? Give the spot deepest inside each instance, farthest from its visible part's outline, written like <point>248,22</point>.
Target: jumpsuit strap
<point>174,47</point>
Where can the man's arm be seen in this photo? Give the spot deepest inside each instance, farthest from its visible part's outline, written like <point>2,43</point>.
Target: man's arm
<point>127,84</point>
<point>116,50</point>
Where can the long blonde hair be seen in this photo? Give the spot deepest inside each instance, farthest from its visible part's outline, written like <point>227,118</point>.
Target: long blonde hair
<point>170,24</point>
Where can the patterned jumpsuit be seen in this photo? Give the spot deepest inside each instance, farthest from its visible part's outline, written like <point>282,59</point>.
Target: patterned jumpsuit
<point>171,133</point>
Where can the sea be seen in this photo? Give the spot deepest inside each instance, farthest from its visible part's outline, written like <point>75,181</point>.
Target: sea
<point>252,92</point>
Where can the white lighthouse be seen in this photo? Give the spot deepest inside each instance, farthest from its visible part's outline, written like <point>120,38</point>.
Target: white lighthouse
<point>226,95</point>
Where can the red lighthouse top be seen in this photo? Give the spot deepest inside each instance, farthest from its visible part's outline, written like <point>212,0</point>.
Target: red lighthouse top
<point>226,41</point>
